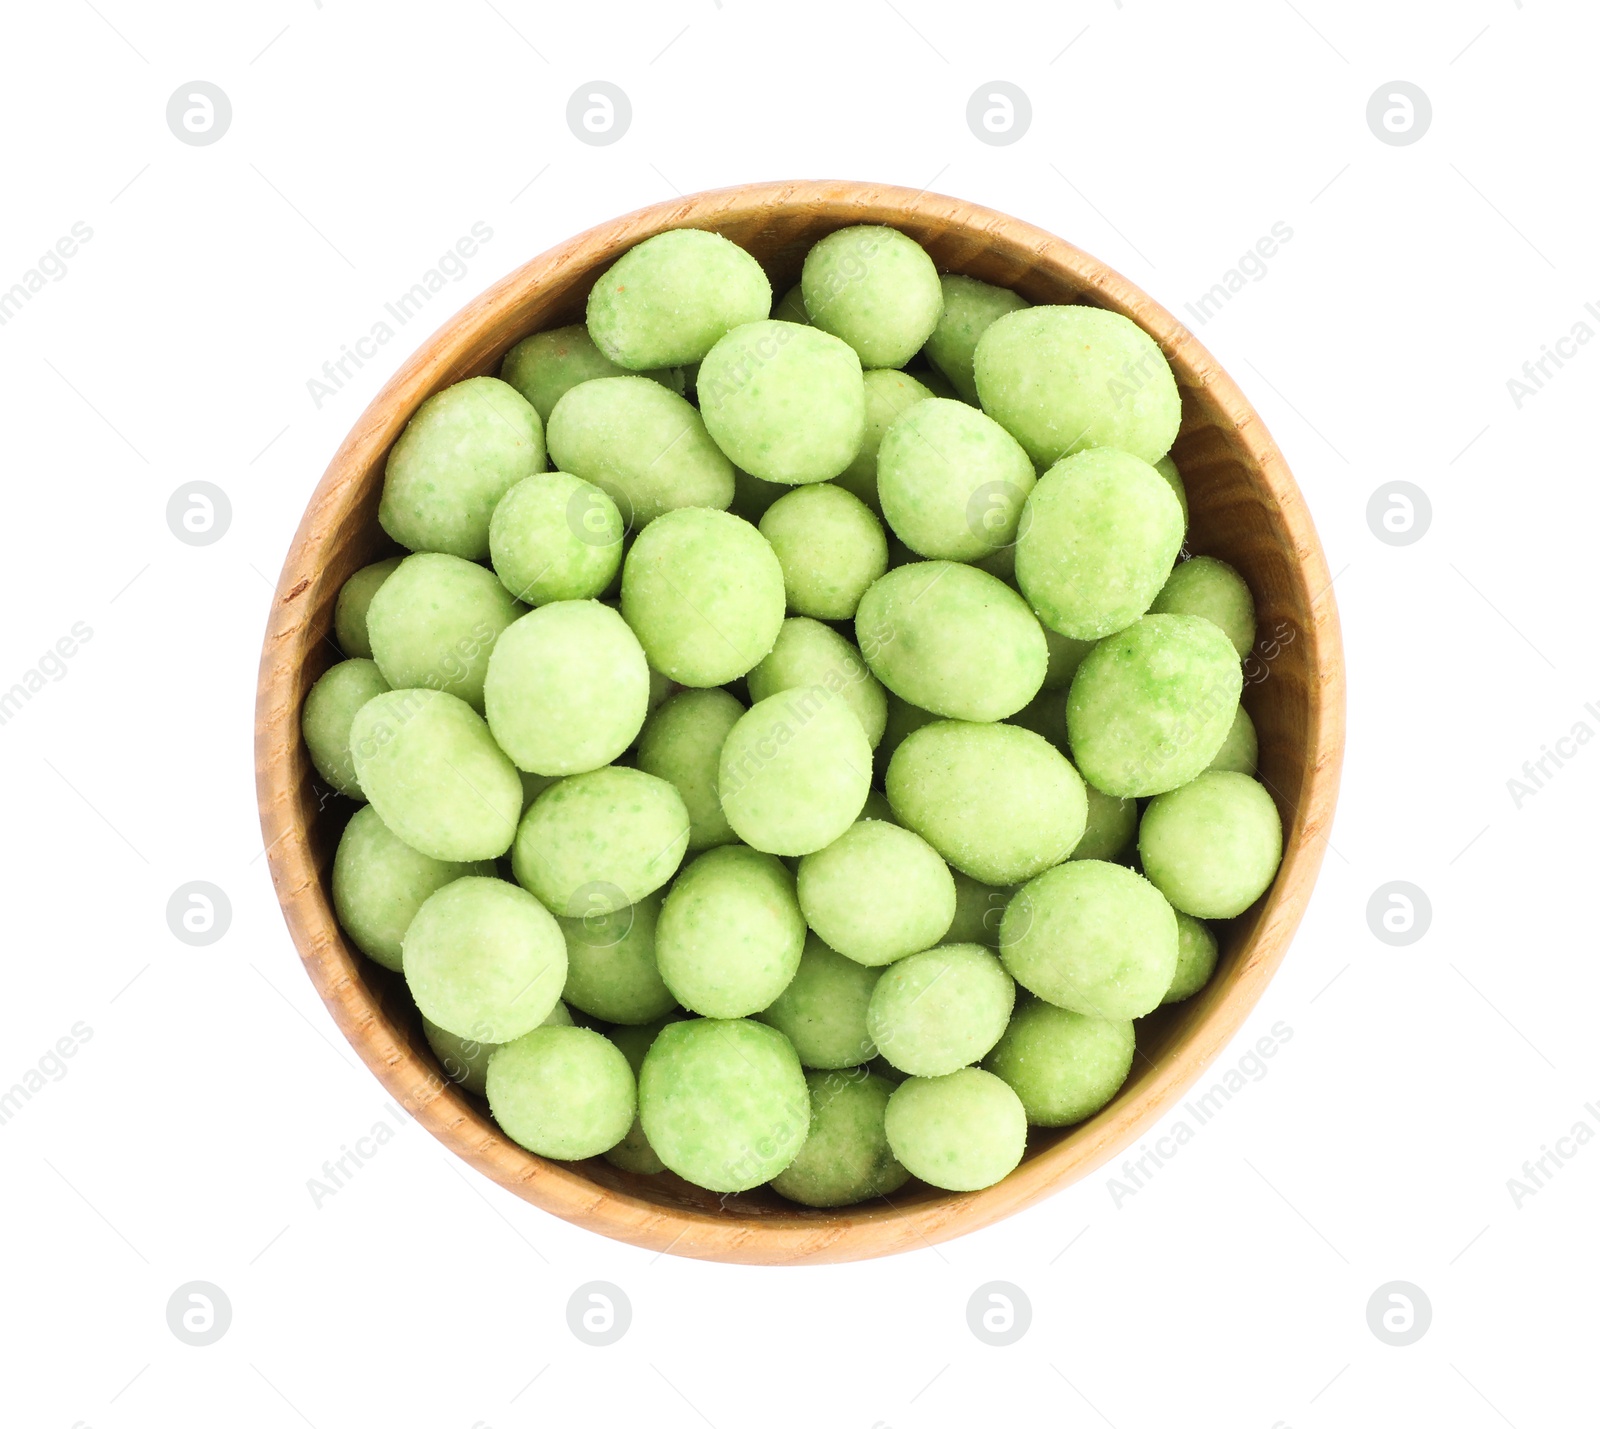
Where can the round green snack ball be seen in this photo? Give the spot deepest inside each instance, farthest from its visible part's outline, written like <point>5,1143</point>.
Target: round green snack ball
<point>350,611</point>
<point>644,446</point>
<point>484,959</point>
<point>952,481</point>
<point>703,591</point>
<point>667,300</point>
<point>597,842</point>
<point>611,964</point>
<point>1151,705</point>
<point>1092,937</point>
<point>752,497</point>
<point>634,1152</point>
<point>1065,379</point>
<point>877,893</point>
<point>959,1132</point>
<point>888,394</point>
<point>997,802</point>
<point>823,1010</point>
<point>1211,588</point>
<point>876,289</point>
<point>568,688</point>
<point>970,308</point>
<point>1197,959</point>
<point>1212,846</point>
<point>548,365</point>
<point>466,1059</point>
<point>1239,749</point>
<point>724,1104</point>
<point>846,1157</point>
<point>682,743</point>
<point>951,639</point>
<point>325,720</point>
<point>556,537</point>
<point>1062,1065</point>
<point>435,775</point>
<point>831,548</point>
<point>730,933</point>
<point>785,402</point>
<point>791,308</point>
<point>460,453</point>
<point>1098,539</point>
<point>794,771</point>
<point>979,909</point>
<point>1169,470</point>
<point>808,654</point>
<point>434,622</point>
<point>941,1009</point>
<point>563,1092</point>
<point>379,882</point>
<point>1108,832</point>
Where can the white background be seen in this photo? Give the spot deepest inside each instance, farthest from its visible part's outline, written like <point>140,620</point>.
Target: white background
<point>1166,139</point>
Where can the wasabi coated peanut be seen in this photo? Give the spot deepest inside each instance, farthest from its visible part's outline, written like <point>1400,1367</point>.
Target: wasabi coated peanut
<point>1169,472</point>
<point>1065,379</point>
<point>703,591</point>
<point>1151,705</point>
<point>823,1010</point>
<point>1212,846</point>
<point>888,394</point>
<point>379,882</point>
<point>846,1157</point>
<point>567,689</point>
<point>563,1092</point>
<point>466,1059</point>
<point>997,802</point>
<point>730,933</point>
<point>484,959</point>
<point>611,964</point>
<point>556,537</point>
<point>633,1152</point>
<point>724,1104</point>
<point>959,1132</point>
<point>830,546</point>
<point>952,481</point>
<point>548,365</point>
<point>970,308</point>
<point>325,721</point>
<point>1239,750</point>
<point>877,893</point>
<point>979,909</point>
<point>791,308</point>
<point>1092,937</point>
<point>785,402</point>
<point>950,639</point>
<point>460,453</point>
<point>644,446</point>
<point>1211,588</point>
<point>1098,540</point>
<point>940,1010</point>
<point>1197,959</point>
<point>435,775</point>
<point>434,622</point>
<point>350,610</point>
<point>596,842</point>
<point>1062,1065</point>
<point>682,743</point>
<point>1109,830</point>
<point>876,289</point>
<point>667,300</point>
<point>808,654</point>
<point>794,771</point>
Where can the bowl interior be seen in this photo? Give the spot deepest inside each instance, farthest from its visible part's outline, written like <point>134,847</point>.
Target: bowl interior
<point>1243,509</point>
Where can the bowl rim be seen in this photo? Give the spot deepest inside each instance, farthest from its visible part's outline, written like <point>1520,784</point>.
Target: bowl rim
<point>456,350</point>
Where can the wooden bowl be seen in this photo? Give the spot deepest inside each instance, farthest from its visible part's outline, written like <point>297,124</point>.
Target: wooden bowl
<point>1244,507</point>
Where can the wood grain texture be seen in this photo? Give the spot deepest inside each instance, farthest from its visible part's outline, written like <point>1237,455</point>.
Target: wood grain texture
<point>1245,508</point>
